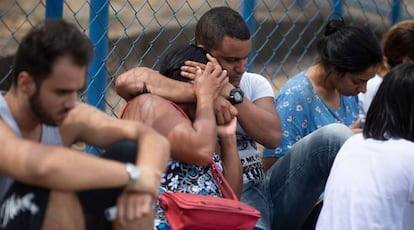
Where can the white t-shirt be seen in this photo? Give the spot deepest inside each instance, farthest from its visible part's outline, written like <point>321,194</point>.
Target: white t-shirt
<point>365,99</point>
<point>371,186</point>
<point>254,86</point>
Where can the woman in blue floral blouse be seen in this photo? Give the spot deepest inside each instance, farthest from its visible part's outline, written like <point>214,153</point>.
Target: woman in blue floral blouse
<point>327,92</point>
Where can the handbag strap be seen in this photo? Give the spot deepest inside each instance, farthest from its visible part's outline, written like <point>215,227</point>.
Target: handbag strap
<point>179,110</point>
<point>224,185</point>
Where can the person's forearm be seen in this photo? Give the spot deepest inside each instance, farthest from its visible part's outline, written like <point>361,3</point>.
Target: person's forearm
<point>205,127</point>
<point>268,162</point>
<point>62,169</point>
<point>267,132</point>
<point>140,80</point>
<point>231,163</point>
<point>154,151</point>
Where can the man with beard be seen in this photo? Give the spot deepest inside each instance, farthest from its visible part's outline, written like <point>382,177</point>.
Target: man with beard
<point>285,191</point>
<point>40,119</point>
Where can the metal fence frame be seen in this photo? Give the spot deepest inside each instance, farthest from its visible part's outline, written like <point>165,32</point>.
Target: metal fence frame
<point>103,14</point>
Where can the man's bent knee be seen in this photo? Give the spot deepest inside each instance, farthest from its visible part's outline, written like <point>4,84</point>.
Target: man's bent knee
<point>337,132</point>
<point>63,212</point>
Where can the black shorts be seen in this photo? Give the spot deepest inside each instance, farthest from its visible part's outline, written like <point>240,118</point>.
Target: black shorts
<point>24,206</point>
<point>95,202</point>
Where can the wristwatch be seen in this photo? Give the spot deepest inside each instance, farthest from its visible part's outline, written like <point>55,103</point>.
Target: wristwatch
<point>133,173</point>
<point>236,96</point>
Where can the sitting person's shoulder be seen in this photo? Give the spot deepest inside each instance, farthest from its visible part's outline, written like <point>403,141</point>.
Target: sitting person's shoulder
<point>256,86</point>
<point>249,76</point>
<point>297,85</point>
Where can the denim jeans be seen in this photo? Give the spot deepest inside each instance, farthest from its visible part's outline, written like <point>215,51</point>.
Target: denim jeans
<point>295,182</point>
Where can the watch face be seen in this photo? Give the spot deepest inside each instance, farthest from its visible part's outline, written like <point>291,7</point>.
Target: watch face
<point>238,97</point>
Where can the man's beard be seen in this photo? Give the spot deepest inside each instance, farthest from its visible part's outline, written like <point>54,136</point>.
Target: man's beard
<point>39,111</point>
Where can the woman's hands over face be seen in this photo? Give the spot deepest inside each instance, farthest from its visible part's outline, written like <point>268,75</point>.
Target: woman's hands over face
<point>210,80</point>
<point>190,68</point>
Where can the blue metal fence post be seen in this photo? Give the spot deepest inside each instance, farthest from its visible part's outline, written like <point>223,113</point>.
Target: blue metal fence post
<point>337,7</point>
<point>395,12</point>
<point>54,8</point>
<point>248,12</point>
<point>98,22</point>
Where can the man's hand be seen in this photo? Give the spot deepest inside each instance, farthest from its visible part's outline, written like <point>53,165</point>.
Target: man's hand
<point>133,206</point>
<point>224,110</point>
<point>227,129</point>
<point>133,82</point>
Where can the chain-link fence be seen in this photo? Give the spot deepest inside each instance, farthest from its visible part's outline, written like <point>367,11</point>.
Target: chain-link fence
<point>130,33</point>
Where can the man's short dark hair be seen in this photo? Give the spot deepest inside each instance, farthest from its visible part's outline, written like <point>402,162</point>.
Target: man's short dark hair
<point>44,44</point>
<point>218,23</point>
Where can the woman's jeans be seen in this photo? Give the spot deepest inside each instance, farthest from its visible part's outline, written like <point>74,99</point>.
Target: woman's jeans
<point>295,182</point>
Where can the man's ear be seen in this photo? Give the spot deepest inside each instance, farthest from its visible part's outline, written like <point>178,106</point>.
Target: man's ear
<point>201,46</point>
<point>25,83</point>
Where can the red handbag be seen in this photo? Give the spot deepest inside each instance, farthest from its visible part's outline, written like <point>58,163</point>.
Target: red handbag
<point>202,212</point>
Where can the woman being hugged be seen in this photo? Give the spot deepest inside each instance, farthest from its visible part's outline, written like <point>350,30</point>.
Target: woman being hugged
<point>191,129</point>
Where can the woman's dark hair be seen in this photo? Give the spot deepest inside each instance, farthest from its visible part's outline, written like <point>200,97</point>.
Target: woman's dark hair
<point>348,49</point>
<point>44,44</point>
<point>391,113</point>
<point>171,63</point>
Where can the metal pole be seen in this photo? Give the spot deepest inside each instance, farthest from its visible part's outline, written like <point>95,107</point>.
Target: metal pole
<point>98,22</point>
<point>337,7</point>
<point>54,8</point>
<point>395,12</point>
<point>248,12</point>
